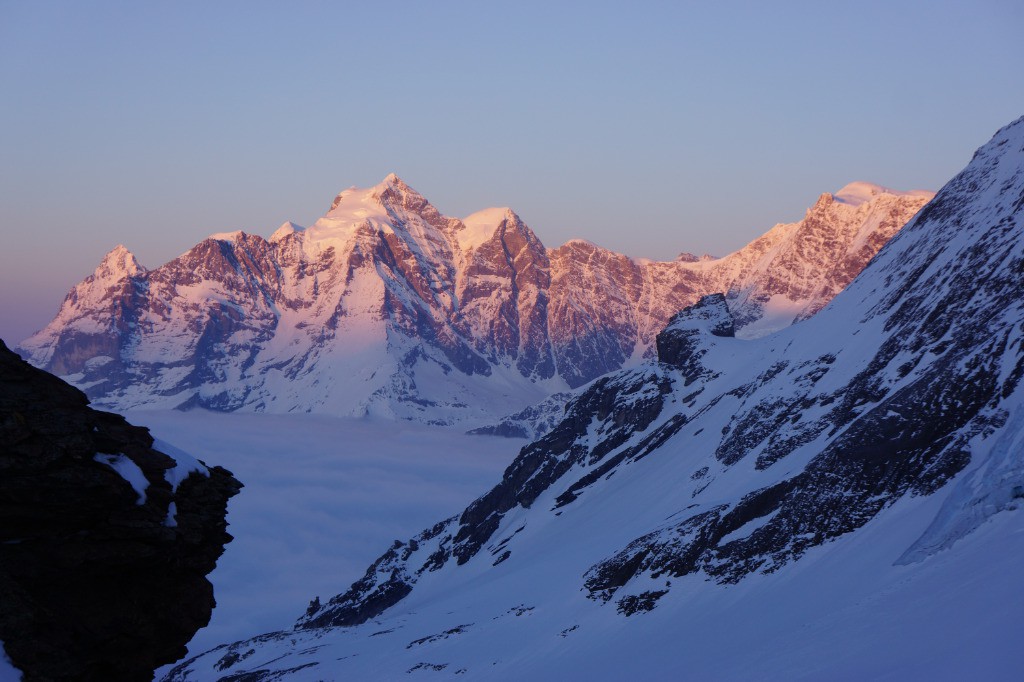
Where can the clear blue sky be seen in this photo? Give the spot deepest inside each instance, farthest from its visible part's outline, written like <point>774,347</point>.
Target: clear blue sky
<point>649,128</point>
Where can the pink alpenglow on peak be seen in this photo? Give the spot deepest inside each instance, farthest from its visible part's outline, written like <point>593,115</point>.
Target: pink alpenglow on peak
<point>287,228</point>
<point>374,207</point>
<point>231,236</point>
<point>119,262</point>
<point>857,193</point>
<point>384,306</point>
<point>481,226</point>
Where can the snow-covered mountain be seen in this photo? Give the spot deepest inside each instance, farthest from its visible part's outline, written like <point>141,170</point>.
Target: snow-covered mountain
<point>385,306</point>
<point>839,499</point>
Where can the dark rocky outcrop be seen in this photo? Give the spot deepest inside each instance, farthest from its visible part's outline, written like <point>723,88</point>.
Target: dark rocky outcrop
<point>684,341</point>
<point>98,581</point>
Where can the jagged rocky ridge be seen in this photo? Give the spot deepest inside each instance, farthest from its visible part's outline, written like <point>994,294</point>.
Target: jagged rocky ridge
<point>727,459</point>
<point>531,422</point>
<point>386,306</point>
<point>105,542</point>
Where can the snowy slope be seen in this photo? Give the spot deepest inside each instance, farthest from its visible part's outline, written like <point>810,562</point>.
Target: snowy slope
<point>386,307</point>
<point>784,507</point>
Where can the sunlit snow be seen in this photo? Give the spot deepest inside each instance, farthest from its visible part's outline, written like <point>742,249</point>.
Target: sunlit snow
<point>857,193</point>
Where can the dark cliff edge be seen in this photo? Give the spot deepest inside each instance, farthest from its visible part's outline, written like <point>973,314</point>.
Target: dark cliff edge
<point>105,542</point>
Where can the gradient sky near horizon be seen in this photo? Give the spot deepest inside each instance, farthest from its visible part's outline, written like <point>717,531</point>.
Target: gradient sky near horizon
<point>649,128</point>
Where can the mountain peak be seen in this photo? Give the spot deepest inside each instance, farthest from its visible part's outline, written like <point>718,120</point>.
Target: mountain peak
<point>287,228</point>
<point>119,262</point>
<point>382,204</point>
<point>860,192</point>
<point>393,187</point>
<point>482,294</point>
<point>481,226</point>
<point>389,187</point>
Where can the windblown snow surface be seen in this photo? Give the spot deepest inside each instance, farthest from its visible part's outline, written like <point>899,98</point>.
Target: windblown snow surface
<point>839,500</point>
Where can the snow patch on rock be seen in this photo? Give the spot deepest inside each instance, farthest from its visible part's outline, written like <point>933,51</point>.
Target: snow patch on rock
<point>129,471</point>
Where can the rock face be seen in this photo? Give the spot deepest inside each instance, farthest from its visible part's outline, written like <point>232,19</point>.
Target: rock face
<point>105,542</point>
<point>385,306</point>
<point>531,422</point>
<point>684,341</point>
<point>729,457</point>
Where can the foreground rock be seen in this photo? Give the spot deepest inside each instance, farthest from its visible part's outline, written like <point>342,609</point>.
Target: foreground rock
<point>105,542</point>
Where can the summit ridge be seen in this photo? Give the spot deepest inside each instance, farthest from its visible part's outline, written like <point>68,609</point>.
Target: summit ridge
<point>385,306</point>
